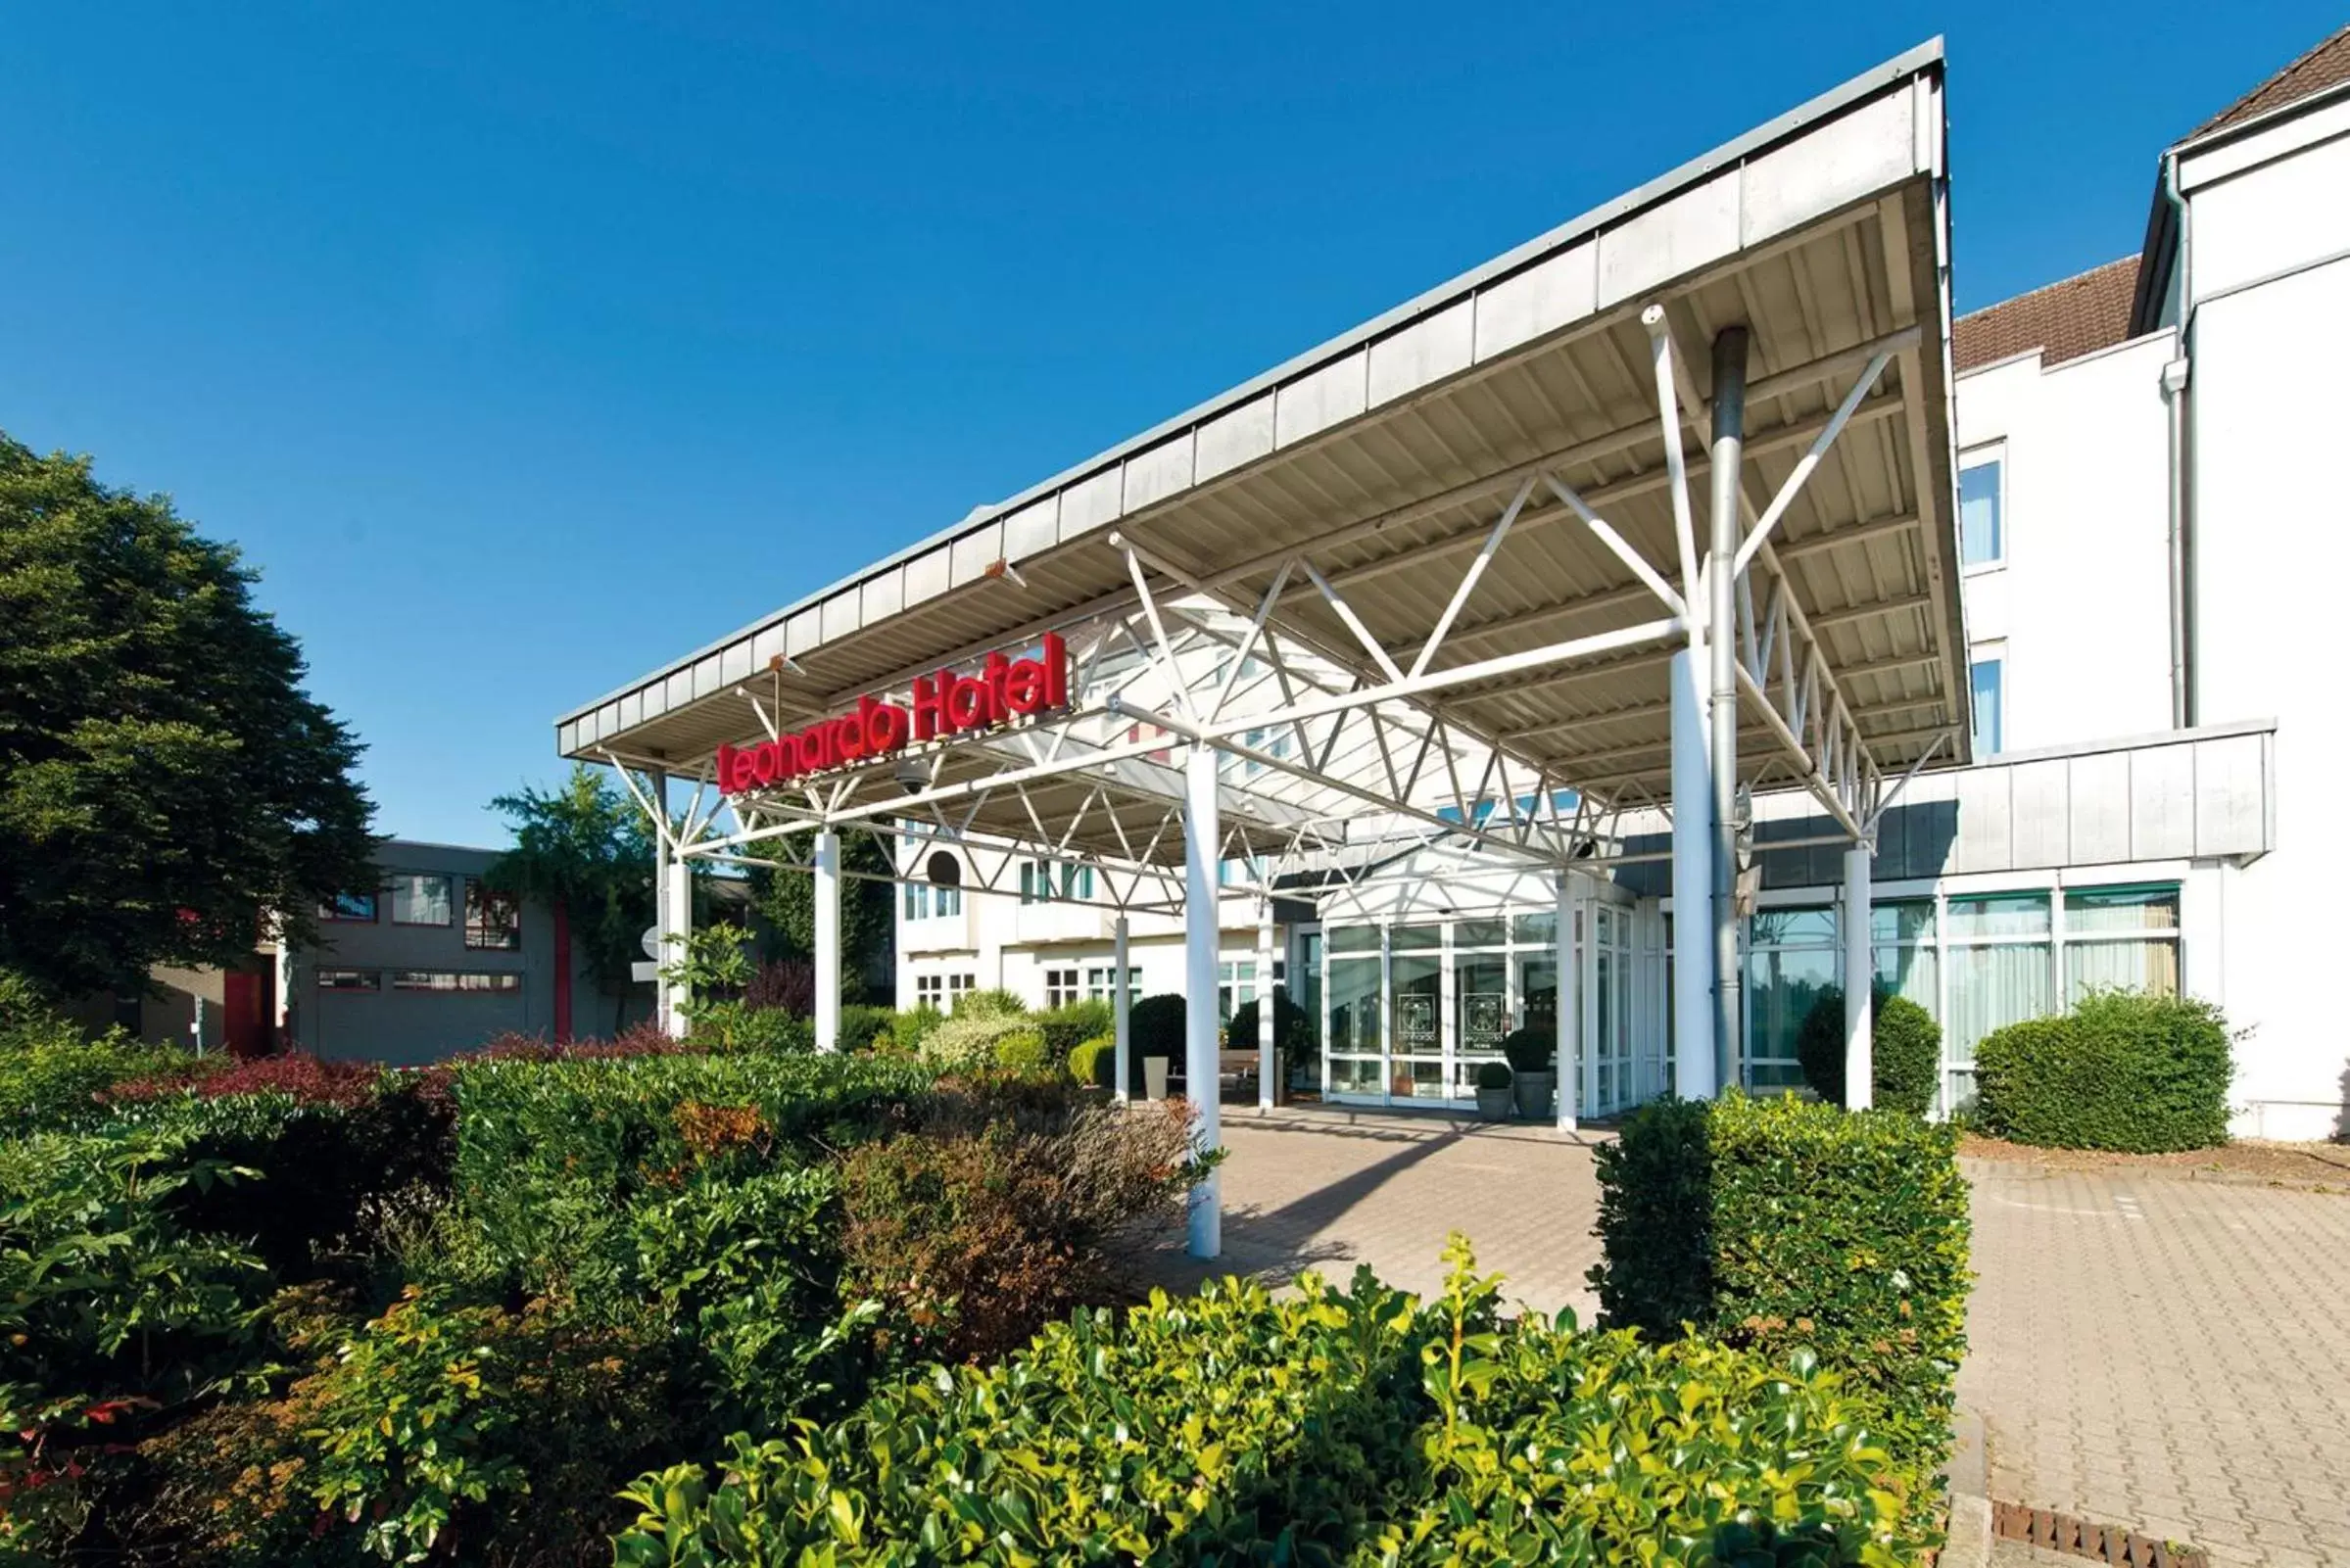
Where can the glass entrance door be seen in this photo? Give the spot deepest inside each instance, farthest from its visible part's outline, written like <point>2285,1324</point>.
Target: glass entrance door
<point>1608,1013</point>
<point>1415,1060</point>
<point>1481,1016</point>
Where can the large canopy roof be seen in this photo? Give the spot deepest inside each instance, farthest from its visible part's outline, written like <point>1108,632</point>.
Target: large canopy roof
<point>1338,499</point>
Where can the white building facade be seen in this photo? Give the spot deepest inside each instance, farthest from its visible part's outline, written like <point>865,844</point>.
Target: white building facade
<point>2157,720</point>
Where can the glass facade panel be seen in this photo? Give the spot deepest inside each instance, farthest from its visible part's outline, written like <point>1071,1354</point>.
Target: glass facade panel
<point>2092,911</point>
<point>1768,928</point>
<point>2130,966</point>
<point>1354,1074</point>
<point>1908,920</point>
<point>1353,939</point>
<point>1999,915</point>
<point>1354,985</point>
<point>1537,929</point>
<point>1480,934</point>
<point>420,898</point>
<point>1990,987</point>
<point>1537,987</point>
<point>1980,538</point>
<point>1417,1042</point>
<point>1782,984</point>
<point>1481,1004</point>
<point>1988,687</point>
<point>1912,973</point>
<point>1417,938</point>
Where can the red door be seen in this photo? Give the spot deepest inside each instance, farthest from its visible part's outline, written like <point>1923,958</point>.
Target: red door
<point>244,1012</point>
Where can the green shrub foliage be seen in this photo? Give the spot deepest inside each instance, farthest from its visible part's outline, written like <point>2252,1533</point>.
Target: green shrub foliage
<point>861,1025</point>
<point>1072,1025</point>
<point>1786,1225</point>
<point>1906,1047</point>
<point>1025,1052</point>
<point>1533,1048</point>
<point>1321,1428</point>
<point>1293,1028</point>
<point>969,1039</point>
<point>1095,1063</point>
<point>2124,1069</point>
<point>51,1076</point>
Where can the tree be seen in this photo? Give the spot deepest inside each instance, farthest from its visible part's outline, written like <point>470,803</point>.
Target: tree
<point>584,848</point>
<point>164,777</point>
<point>1904,1051</point>
<point>786,900</point>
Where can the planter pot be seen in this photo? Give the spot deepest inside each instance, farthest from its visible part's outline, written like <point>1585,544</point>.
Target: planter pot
<point>1533,1092</point>
<point>1154,1077</point>
<point>1493,1105</point>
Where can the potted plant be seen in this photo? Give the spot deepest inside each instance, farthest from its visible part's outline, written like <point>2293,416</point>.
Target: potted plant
<point>1493,1091</point>
<point>1529,1050</point>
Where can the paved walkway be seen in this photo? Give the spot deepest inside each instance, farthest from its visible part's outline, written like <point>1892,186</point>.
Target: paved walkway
<point>2167,1353</point>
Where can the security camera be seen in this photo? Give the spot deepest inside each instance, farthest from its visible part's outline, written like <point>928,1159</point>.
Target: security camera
<point>913,775</point>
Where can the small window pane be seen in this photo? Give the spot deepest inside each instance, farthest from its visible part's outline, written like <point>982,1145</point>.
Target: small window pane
<point>2130,966</point>
<point>1999,915</point>
<point>349,980</point>
<point>1353,939</point>
<point>1792,927</point>
<point>1539,930</point>
<point>2092,911</point>
<point>1906,921</point>
<point>419,898</point>
<point>450,981</point>
<point>1979,520</point>
<point>349,907</point>
<point>1419,938</point>
<point>1480,934</point>
<point>1990,691</point>
<point>493,919</point>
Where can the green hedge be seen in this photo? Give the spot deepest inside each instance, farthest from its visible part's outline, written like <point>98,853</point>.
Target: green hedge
<point>2122,1070</point>
<point>1072,1025</point>
<point>1095,1063</point>
<point>861,1025</point>
<point>1293,1030</point>
<point>1328,1428</point>
<point>1905,1048</point>
<point>1788,1226</point>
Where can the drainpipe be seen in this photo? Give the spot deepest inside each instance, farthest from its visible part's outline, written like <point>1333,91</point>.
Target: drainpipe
<point>2182,543</point>
<point>2175,378</point>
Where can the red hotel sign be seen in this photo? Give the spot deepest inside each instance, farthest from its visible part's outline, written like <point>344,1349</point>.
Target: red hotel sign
<point>945,704</point>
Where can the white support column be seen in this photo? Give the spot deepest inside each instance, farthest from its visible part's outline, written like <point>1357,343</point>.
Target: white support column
<point>676,916</point>
<point>1121,1009</point>
<point>1265,1006</point>
<point>1860,973</point>
<point>1693,1074</point>
<point>1569,1066</point>
<point>665,1009</point>
<point>1202,837</point>
<point>828,940</point>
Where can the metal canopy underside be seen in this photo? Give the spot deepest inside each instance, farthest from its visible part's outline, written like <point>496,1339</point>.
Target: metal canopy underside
<point>1369,474</point>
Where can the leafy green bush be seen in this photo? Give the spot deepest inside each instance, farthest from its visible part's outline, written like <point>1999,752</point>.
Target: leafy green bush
<point>994,1001</point>
<point>1786,1225</point>
<point>969,1040</point>
<point>1293,1028</point>
<point>1072,1025</point>
<point>1025,1052</point>
<point>1155,1026</point>
<point>1493,1075</point>
<point>736,1028</point>
<point>860,1027</point>
<point>1095,1063</point>
<point>1906,1050</point>
<point>51,1077</point>
<point>2124,1069</point>
<point>1322,1428</point>
<point>909,1029</point>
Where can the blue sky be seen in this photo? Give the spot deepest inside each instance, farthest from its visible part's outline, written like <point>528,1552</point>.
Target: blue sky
<point>522,357</point>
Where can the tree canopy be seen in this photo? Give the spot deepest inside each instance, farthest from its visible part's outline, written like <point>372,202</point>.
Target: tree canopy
<point>586,847</point>
<point>786,900</point>
<point>164,779</point>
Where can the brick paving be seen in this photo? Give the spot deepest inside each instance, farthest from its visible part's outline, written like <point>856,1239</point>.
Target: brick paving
<point>2167,1353</point>
<point>2148,1350</point>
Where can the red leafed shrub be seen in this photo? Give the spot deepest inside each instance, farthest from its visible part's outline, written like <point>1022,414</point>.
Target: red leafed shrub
<point>787,983</point>
<point>302,1077</point>
<point>638,1039</point>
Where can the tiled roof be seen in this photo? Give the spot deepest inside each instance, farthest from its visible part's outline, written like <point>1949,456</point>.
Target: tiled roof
<point>2063,320</point>
<point>2321,68</point>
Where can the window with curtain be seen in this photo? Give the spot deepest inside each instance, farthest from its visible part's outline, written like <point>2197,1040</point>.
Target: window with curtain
<point>1792,957</point>
<point>2121,937</point>
<point>1988,678</point>
<point>2001,964</point>
<point>420,898</point>
<point>1902,940</point>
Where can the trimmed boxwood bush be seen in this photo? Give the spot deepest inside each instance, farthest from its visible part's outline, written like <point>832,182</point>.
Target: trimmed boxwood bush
<point>1155,1028</point>
<point>1025,1052</point>
<point>1095,1063</point>
<point>1905,1049</point>
<point>1531,1048</point>
<point>1788,1226</point>
<point>1072,1025</point>
<point>2124,1069</point>
<point>1293,1032</point>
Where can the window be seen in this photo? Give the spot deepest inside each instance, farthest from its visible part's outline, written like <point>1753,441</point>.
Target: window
<point>958,987</point>
<point>2121,937</point>
<point>915,900</point>
<point>1246,871</point>
<point>1060,987</point>
<point>349,981</point>
<point>1982,504</point>
<point>419,898</point>
<point>358,907</point>
<point>2000,958</point>
<point>929,990</point>
<point>1041,882</point>
<point>1989,683</point>
<point>451,980</point>
<point>1235,986</point>
<point>1102,977</point>
<point>493,919</point>
<point>1792,957</point>
<point>1273,743</point>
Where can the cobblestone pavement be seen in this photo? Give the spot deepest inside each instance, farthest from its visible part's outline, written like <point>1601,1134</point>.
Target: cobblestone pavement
<point>1328,1189</point>
<point>2166,1353</point>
